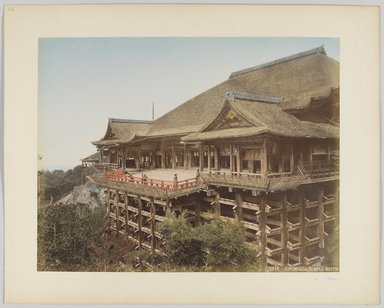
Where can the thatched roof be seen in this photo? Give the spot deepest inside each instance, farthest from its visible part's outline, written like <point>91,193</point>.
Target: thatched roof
<point>262,117</point>
<point>290,83</point>
<point>122,131</point>
<point>295,79</point>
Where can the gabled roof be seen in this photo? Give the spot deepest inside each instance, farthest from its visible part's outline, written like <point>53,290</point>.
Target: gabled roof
<point>294,80</point>
<point>122,131</point>
<point>265,117</point>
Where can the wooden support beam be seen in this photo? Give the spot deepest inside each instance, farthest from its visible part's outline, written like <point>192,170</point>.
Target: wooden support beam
<point>216,205</point>
<point>201,157</point>
<point>126,213</point>
<point>231,157</point>
<point>320,231</point>
<point>153,224</point>
<point>173,157</point>
<point>162,151</point>
<point>262,226</point>
<point>238,160</point>
<point>117,213</point>
<point>292,159</point>
<point>216,157</point>
<point>284,232</point>
<point>302,225</point>
<point>239,208</point>
<point>209,157</point>
<point>264,158</point>
<point>140,220</point>
<point>185,153</point>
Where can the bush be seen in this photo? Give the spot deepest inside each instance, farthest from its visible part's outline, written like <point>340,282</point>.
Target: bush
<point>67,234</point>
<point>225,244</point>
<point>183,245</point>
<point>218,245</point>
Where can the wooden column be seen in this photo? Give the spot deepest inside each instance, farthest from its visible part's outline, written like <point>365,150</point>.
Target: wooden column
<point>231,157</point>
<point>302,224</point>
<point>201,157</point>
<point>262,226</point>
<point>197,212</point>
<point>209,157</point>
<point>185,157</point>
<point>284,233</point>
<point>320,231</point>
<point>264,158</point>
<point>153,223</point>
<point>217,209</point>
<point>216,156</point>
<point>140,220</point>
<point>238,160</point>
<point>292,159</point>
<point>126,213</point>
<point>239,202</point>
<point>173,157</point>
<point>117,213</point>
<point>162,150</point>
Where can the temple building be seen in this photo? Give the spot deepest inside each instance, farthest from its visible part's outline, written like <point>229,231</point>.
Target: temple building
<point>262,147</point>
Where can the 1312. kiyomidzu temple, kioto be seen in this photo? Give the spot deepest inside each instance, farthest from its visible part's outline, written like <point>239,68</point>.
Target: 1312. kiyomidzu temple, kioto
<point>261,148</point>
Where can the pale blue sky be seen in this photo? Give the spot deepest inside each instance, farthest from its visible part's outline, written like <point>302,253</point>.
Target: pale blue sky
<point>84,81</point>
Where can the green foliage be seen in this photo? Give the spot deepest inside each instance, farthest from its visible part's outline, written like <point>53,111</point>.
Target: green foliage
<point>183,245</point>
<point>225,243</point>
<point>67,235</point>
<point>219,245</point>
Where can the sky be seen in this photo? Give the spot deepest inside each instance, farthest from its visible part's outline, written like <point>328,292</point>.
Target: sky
<point>85,81</point>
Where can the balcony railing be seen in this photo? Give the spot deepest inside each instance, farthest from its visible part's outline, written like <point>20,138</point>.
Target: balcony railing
<point>304,173</point>
<point>121,176</point>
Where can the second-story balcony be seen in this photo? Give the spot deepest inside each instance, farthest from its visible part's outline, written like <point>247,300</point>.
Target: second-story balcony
<point>303,173</point>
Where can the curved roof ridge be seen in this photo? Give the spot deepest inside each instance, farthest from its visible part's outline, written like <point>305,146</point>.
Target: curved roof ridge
<point>253,97</point>
<point>316,50</point>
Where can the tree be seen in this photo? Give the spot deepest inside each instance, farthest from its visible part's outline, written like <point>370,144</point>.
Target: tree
<point>66,234</point>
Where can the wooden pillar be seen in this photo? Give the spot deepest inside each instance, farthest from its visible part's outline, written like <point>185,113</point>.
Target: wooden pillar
<point>231,157</point>
<point>185,157</point>
<point>109,203</point>
<point>162,150</point>
<point>217,208</point>
<point>173,157</point>
<point>320,231</point>
<point>138,160</point>
<point>239,202</point>
<point>262,226</point>
<point>201,157</point>
<point>216,156</point>
<point>264,158</point>
<point>197,212</point>
<point>126,213</point>
<point>292,159</point>
<point>117,213</point>
<point>302,226</point>
<point>284,233</point>
<point>140,220</point>
<point>153,223</point>
<point>238,160</point>
<point>209,157</point>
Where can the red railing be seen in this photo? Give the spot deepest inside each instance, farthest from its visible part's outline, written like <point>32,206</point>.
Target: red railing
<point>119,175</point>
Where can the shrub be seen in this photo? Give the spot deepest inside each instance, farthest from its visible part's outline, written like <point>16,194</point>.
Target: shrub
<point>183,247</point>
<point>225,245</point>
<point>66,235</point>
<point>218,245</point>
